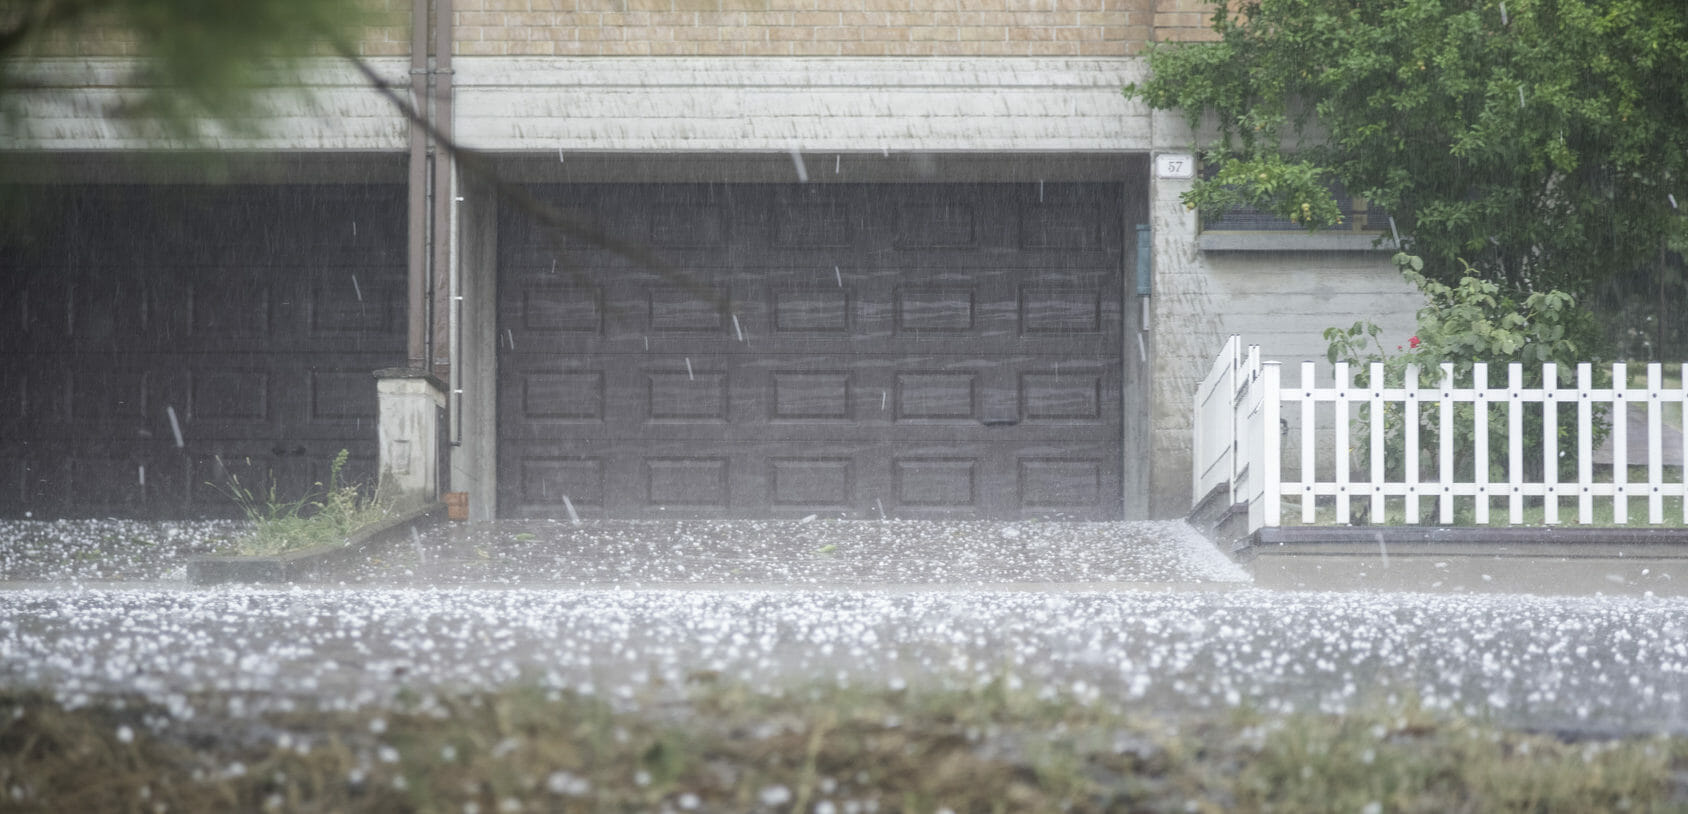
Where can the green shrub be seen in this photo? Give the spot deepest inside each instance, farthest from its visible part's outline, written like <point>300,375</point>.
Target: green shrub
<point>1475,321</point>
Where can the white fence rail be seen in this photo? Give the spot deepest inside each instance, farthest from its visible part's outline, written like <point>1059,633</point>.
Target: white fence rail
<point>1214,439</point>
<point>1450,450</point>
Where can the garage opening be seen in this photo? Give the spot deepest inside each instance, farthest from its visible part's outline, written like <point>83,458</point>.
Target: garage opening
<point>921,350</point>
<point>162,337</point>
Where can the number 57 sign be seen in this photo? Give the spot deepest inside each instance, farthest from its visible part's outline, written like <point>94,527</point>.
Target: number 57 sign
<point>1175,165</point>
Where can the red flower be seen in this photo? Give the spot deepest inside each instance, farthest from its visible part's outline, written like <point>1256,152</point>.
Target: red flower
<point>1413,343</point>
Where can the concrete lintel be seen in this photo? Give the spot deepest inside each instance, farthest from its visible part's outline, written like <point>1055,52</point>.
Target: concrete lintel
<point>1262,241</point>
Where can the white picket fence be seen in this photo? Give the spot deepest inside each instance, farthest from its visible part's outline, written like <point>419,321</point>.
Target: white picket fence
<point>1244,414</point>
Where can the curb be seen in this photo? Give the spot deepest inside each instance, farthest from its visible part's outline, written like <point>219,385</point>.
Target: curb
<point>297,566</point>
<point>1440,541</point>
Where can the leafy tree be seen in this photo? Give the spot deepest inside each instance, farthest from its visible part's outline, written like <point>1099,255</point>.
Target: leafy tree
<point>1543,141</point>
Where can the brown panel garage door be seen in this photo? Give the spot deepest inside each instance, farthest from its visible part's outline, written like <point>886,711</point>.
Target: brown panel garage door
<point>846,349</point>
<point>159,338</point>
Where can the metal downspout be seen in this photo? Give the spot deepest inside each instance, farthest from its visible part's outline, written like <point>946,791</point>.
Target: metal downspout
<point>442,190</point>
<point>417,251</point>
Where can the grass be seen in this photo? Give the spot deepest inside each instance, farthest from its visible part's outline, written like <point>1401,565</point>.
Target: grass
<point>733,749</point>
<point>325,516</point>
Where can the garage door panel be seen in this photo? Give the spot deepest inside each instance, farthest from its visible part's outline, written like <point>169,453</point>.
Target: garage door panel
<point>253,315</point>
<point>810,395</point>
<point>105,314</point>
<point>1074,396</point>
<point>818,482</point>
<point>842,348</point>
<point>1061,483</point>
<point>687,482</point>
<point>947,483</point>
<point>688,397</point>
<point>346,305</point>
<point>545,481</point>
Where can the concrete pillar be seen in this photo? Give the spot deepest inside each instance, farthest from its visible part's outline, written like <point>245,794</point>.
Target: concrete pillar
<point>411,406</point>
<point>474,456</point>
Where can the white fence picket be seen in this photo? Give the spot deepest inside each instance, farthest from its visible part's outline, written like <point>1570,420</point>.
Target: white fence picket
<point>1410,428</point>
<point>1309,445</point>
<point>1241,402</point>
<point>1343,381</point>
<point>1445,450</point>
<point>1271,440</point>
<point>1585,443</point>
<point>1550,442</point>
<point>1682,418</point>
<point>1655,445</point>
<point>1620,444</point>
<point>1480,438</point>
<point>1514,444</point>
<point>1378,437</point>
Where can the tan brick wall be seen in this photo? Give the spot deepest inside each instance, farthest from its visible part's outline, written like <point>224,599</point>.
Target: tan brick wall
<point>1058,28</point>
<point>1183,20</point>
<point>803,27</point>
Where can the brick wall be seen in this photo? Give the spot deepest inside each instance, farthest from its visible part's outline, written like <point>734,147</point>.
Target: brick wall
<point>803,27</point>
<point>1183,20</point>
<point>976,28</point>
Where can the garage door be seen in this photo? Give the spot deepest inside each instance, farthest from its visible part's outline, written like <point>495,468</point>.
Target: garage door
<point>942,351</point>
<point>161,338</point>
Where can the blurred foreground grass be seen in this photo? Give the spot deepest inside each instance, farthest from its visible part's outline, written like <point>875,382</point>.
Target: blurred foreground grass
<point>730,749</point>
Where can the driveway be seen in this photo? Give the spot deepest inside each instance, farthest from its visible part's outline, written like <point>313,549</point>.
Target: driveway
<point>1144,613</point>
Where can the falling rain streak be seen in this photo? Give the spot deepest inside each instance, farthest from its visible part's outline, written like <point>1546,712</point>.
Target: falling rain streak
<point>175,426</point>
<point>568,505</point>
<point>797,163</point>
<point>357,289</point>
<point>736,329</point>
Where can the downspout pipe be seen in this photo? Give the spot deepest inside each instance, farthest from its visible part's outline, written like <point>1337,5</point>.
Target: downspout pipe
<point>440,343</point>
<point>443,348</point>
<point>416,341</point>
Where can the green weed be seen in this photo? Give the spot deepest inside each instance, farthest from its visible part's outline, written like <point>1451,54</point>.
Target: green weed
<point>326,515</point>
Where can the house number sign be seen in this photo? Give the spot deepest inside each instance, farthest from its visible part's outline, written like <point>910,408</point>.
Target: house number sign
<point>1175,165</point>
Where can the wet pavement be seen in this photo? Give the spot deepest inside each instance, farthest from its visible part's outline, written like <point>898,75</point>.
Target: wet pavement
<point>1147,613</point>
<point>794,554</point>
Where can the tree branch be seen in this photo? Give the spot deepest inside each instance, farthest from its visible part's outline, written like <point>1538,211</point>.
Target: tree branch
<point>478,165</point>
